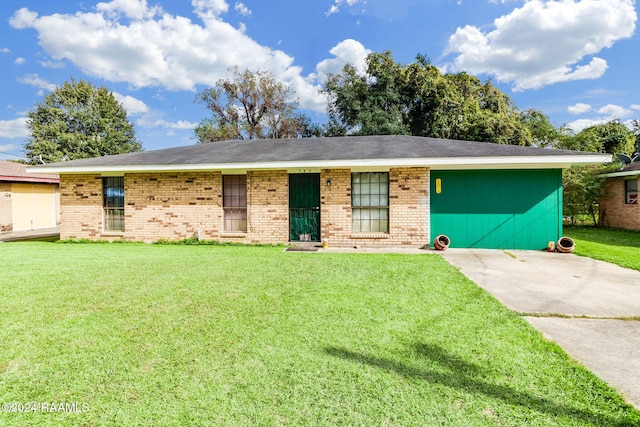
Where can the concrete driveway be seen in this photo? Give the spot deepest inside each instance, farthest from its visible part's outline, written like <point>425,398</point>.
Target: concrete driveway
<point>591,308</point>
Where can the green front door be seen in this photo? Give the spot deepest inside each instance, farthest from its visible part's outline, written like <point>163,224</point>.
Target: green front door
<point>304,207</point>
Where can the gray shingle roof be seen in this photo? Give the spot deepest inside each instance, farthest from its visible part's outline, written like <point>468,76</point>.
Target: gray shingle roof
<point>316,149</point>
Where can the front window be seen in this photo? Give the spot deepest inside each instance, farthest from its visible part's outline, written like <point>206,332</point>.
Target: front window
<point>631,191</point>
<point>113,202</point>
<point>370,202</point>
<point>234,203</point>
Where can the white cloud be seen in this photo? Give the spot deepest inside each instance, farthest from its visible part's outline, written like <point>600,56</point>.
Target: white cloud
<point>333,9</point>
<point>381,9</point>
<point>16,128</point>
<point>606,114</point>
<point>635,106</point>
<point>8,147</point>
<point>37,81</point>
<point>242,9</point>
<point>348,51</point>
<point>180,124</point>
<point>132,105</point>
<point>134,9</point>
<point>4,50</point>
<point>149,122</point>
<point>581,124</point>
<point>52,64</point>
<point>614,111</point>
<point>23,18</point>
<point>152,48</point>
<point>579,108</point>
<point>19,61</point>
<point>209,9</point>
<point>544,42</point>
<point>336,6</point>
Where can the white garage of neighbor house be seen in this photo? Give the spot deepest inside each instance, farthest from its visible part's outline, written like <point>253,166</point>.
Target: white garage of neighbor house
<point>27,201</point>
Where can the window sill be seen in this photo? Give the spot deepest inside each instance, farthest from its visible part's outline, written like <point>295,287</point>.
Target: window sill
<point>237,234</point>
<point>112,234</point>
<point>370,236</point>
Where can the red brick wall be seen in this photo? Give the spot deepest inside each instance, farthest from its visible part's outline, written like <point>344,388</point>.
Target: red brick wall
<point>614,212</point>
<point>408,209</point>
<point>268,206</point>
<point>409,206</point>
<point>172,206</point>
<point>177,206</point>
<point>335,206</point>
<point>80,207</point>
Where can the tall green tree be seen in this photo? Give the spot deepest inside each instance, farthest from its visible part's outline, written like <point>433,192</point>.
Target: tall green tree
<point>371,103</point>
<point>251,105</point>
<point>417,99</point>
<point>78,120</point>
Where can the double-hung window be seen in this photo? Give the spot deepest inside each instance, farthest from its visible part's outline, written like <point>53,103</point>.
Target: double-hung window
<point>113,203</point>
<point>631,191</point>
<point>234,203</point>
<point>370,202</point>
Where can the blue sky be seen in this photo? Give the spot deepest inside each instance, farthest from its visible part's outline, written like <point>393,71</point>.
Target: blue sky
<point>576,61</point>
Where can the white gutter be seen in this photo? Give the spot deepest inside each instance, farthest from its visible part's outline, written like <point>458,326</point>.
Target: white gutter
<point>436,163</point>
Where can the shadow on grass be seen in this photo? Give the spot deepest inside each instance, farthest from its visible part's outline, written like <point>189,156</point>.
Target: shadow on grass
<point>464,376</point>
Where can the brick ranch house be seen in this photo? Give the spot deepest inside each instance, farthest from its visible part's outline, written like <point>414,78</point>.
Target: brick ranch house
<point>619,206</point>
<point>27,201</point>
<point>368,191</point>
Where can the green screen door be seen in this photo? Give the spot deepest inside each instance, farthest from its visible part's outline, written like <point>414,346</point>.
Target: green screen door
<point>304,207</point>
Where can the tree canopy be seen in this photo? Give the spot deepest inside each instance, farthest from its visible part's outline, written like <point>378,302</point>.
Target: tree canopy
<point>543,133</point>
<point>417,99</point>
<point>78,120</point>
<point>612,137</point>
<point>251,105</point>
<point>583,185</point>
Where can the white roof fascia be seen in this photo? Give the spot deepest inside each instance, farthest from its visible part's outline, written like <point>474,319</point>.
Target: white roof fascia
<point>497,162</point>
<point>620,174</point>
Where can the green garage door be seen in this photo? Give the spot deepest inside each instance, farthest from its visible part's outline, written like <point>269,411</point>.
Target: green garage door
<point>497,209</point>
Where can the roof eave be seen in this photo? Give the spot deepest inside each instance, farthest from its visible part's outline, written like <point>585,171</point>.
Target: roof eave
<point>620,174</point>
<point>495,162</point>
<point>31,179</point>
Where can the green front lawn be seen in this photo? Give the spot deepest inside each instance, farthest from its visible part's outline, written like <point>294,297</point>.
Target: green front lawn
<point>620,247</point>
<point>205,335</point>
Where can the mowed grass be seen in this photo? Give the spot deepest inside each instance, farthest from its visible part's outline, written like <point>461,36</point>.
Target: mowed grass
<point>250,336</point>
<point>620,247</point>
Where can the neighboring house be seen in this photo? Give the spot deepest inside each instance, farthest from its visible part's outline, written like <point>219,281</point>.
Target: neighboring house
<point>367,191</point>
<point>619,206</point>
<point>27,201</point>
